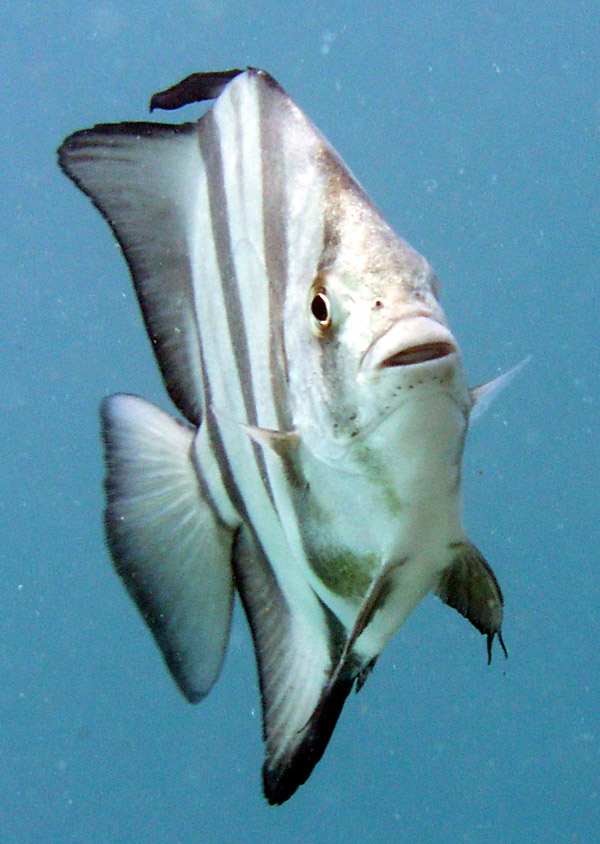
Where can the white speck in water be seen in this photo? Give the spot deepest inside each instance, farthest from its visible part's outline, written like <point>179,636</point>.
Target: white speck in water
<point>327,40</point>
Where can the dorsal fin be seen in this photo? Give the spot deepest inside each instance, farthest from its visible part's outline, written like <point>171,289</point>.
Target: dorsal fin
<point>137,174</point>
<point>195,88</point>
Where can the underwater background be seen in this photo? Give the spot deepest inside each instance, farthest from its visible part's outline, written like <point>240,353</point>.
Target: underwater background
<point>475,127</point>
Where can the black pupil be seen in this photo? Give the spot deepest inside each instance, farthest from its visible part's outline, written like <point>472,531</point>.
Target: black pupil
<point>319,308</point>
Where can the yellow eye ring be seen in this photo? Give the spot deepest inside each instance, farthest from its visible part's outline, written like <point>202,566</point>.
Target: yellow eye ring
<point>321,309</point>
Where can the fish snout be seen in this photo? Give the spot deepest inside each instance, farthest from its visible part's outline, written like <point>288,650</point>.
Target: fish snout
<point>409,342</point>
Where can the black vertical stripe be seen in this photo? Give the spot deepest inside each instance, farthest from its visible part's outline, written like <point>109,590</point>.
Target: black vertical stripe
<point>273,101</point>
<point>219,217</point>
<point>210,147</point>
<point>275,229</point>
<point>217,447</point>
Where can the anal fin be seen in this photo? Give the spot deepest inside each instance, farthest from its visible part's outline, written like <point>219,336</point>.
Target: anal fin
<point>470,586</point>
<point>349,667</point>
<point>295,653</point>
<point>281,776</point>
<point>170,549</point>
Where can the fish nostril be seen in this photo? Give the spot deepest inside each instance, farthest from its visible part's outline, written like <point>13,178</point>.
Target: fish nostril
<point>419,354</point>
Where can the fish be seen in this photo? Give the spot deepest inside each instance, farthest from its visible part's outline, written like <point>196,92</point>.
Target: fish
<point>314,467</point>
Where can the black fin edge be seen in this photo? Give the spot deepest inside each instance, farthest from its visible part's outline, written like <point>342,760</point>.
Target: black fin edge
<point>281,781</point>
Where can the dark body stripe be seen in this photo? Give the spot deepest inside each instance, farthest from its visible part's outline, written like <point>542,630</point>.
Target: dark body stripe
<point>276,246</point>
<point>210,147</point>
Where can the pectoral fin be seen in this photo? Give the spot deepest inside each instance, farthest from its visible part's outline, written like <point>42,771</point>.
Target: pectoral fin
<point>484,395</point>
<point>282,443</point>
<point>470,586</point>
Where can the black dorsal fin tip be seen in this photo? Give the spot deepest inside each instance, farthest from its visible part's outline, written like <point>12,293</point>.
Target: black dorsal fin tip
<point>195,88</point>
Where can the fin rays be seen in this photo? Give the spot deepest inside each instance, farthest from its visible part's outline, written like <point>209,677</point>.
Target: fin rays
<point>170,550</point>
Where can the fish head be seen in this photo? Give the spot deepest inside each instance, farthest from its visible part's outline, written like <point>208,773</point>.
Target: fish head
<point>371,341</point>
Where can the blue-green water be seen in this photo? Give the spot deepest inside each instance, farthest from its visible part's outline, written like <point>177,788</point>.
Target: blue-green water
<point>476,128</point>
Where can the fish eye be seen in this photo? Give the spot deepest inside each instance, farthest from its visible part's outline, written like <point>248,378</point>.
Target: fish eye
<point>321,309</point>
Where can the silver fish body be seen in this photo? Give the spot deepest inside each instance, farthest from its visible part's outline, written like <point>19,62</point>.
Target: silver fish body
<point>318,471</point>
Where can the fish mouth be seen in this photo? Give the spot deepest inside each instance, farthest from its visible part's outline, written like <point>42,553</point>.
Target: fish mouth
<point>419,354</point>
<point>411,341</point>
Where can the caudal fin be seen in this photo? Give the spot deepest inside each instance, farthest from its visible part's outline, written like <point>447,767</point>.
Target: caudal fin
<point>168,546</point>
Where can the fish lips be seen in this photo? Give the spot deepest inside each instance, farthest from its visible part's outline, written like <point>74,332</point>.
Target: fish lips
<point>410,342</point>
